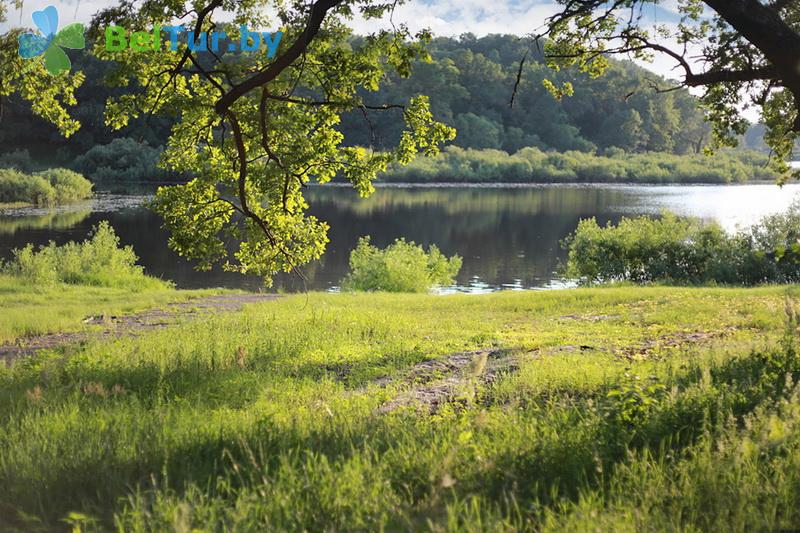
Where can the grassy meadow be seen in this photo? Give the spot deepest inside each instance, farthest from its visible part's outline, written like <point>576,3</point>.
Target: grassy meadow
<point>620,408</point>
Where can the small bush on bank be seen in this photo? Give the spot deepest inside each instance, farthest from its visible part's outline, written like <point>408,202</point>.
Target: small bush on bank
<point>46,188</point>
<point>400,267</point>
<point>98,261</point>
<point>69,186</point>
<point>686,251</point>
<point>16,187</point>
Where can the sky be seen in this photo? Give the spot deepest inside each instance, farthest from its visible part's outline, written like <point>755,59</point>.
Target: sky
<point>444,17</point>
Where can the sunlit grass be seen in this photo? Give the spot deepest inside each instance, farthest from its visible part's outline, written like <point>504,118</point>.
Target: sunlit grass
<point>28,309</point>
<point>267,419</point>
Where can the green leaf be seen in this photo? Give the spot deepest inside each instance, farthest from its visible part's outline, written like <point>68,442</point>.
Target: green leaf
<point>55,60</point>
<point>71,36</point>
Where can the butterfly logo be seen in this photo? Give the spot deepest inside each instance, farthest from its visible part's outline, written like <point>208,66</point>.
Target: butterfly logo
<point>50,41</point>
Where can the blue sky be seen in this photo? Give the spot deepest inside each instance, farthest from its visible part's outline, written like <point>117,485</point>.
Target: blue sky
<point>444,17</point>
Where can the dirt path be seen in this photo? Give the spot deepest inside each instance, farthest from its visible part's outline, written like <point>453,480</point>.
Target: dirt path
<point>118,326</point>
<point>439,381</point>
<point>433,383</point>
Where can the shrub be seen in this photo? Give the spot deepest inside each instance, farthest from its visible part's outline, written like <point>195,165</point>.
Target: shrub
<point>644,250</point>
<point>122,159</point>
<point>532,165</point>
<point>69,186</point>
<point>98,261</point>
<point>400,267</point>
<point>686,251</point>
<point>18,187</point>
<point>47,188</point>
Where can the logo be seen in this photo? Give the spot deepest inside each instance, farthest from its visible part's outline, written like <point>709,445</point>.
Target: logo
<point>51,41</point>
<point>119,39</point>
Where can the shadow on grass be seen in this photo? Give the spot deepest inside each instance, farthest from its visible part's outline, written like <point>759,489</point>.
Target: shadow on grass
<point>553,450</point>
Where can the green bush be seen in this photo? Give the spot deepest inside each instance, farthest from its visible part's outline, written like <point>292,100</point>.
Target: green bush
<point>686,251</point>
<point>400,267</point>
<point>69,186</point>
<point>122,159</point>
<point>532,165</point>
<point>98,261</point>
<point>47,188</point>
<point>18,187</point>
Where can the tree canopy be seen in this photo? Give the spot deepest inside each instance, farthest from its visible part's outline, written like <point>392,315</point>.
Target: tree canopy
<point>48,96</point>
<point>468,80</point>
<point>741,52</point>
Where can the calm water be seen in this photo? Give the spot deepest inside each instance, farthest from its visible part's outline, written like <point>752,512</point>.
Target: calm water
<point>508,236</point>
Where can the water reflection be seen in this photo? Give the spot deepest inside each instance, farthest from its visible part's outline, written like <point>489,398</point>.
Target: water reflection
<point>51,221</point>
<point>509,237</point>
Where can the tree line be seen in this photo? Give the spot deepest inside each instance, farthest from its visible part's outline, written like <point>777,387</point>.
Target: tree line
<point>469,81</point>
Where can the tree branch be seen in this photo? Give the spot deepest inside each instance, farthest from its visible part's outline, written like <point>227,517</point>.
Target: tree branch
<point>318,12</point>
<point>723,76</point>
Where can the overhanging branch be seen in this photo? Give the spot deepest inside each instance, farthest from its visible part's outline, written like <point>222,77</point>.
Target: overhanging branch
<point>318,12</point>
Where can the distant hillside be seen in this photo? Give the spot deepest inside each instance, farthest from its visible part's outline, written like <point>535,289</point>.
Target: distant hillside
<point>470,83</point>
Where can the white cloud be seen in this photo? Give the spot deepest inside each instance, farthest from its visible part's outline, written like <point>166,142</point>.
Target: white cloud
<point>69,11</point>
<point>454,17</point>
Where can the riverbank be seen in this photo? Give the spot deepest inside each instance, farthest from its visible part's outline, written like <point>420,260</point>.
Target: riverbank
<point>573,409</point>
<point>532,165</point>
<point>30,310</point>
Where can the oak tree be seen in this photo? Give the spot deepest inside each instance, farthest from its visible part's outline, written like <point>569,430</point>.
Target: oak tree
<point>48,96</point>
<point>252,129</point>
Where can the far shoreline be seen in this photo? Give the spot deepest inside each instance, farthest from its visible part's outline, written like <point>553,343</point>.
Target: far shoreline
<point>136,188</point>
<point>533,185</point>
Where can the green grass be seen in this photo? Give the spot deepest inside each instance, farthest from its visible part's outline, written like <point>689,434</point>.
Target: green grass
<point>33,309</point>
<point>267,419</point>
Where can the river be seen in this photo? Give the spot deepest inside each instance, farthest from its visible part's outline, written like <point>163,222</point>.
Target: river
<point>509,236</point>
